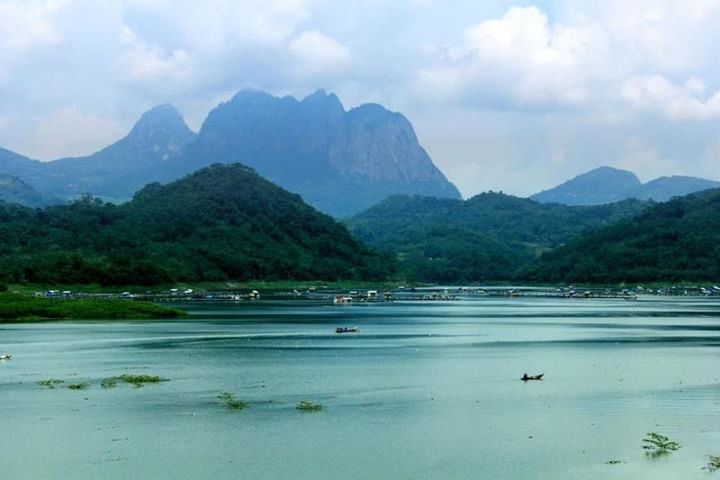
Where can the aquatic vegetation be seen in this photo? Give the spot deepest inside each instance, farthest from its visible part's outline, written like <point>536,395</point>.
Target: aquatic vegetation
<point>139,380</point>
<point>232,403</point>
<point>79,386</point>
<point>136,381</point>
<point>305,406</point>
<point>657,444</point>
<point>50,383</point>
<point>110,382</point>
<point>713,463</point>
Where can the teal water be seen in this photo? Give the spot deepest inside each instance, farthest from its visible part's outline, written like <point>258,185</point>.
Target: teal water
<point>424,391</point>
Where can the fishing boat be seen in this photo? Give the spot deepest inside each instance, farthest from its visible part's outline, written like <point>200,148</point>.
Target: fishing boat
<point>527,377</point>
<point>5,356</point>
<point>347,330</point>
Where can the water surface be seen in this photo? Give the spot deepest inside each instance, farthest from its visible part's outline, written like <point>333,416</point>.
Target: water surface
<point>424,391</point>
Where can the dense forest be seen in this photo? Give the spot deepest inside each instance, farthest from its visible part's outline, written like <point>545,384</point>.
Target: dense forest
<point>228,223</point>
<point>491,236</point>
<point>673,241</point>
<point>222,222</point>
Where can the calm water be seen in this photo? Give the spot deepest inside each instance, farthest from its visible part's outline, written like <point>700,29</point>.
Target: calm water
<point>424,391</point>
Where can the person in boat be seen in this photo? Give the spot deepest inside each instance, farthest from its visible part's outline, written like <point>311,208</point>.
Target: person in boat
<point>525,377</point>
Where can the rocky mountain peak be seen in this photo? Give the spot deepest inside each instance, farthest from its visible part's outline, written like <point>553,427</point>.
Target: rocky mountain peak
<point>161,130</point>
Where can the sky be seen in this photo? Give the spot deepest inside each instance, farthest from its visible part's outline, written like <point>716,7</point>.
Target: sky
<point>505,96</point>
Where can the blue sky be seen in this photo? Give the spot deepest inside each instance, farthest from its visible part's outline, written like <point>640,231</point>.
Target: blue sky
<point>512,96</point>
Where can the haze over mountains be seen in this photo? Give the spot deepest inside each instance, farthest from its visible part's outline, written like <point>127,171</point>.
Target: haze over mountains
<point>340,161</point>
<point>606,184</point>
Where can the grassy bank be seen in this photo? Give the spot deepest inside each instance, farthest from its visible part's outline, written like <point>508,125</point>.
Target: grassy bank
<point>284,285</point>
<point>19,307</point>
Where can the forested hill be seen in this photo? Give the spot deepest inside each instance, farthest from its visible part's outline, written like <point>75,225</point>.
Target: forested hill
<point>488,237</point>
<point>596,187</point>
<point>673,241</point>
<point>223,222</point>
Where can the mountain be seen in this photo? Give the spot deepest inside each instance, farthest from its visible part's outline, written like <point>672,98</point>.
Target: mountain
<point>115,172</point>
<point>119,170</point>
<point>607,184</point>
<point>14,190</point>
<point>19,166</point>
<point>223,222</point>
<point>677,240</point>
<point>488,237</point>
<point>664,188</point>
<point>339,161</point>
<point>596,187</point>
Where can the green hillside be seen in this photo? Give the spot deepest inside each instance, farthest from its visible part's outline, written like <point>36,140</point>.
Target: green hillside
<point>673,241</point>
<point>223,222</point>
<point>488,237</point>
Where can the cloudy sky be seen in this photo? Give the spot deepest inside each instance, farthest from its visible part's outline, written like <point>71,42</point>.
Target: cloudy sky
<point>511,96</point>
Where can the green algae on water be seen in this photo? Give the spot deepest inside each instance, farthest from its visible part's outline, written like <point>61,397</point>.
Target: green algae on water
<point>305,406</point>
<point>232,403</point>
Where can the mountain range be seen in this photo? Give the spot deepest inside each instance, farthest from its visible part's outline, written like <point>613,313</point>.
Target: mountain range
<point>606,185</point>
<point>226,222</point>
<point>341,162</point>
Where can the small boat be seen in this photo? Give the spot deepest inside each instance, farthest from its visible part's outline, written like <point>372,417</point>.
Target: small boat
<point>342,300</point>
<point>347,330</point>
<point>525,377</point>
<point>5,356</point>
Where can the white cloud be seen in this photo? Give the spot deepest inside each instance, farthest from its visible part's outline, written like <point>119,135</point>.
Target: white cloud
<point>27,24</point>
<point>547,92</point>
<point>24,27</point>
<point>221,24</point>
<point>520,59</point>
<point>597,61</point>
<point>318,53</point>
<point>662,35</point>
<point>143,62</point>
<point>656,94</point>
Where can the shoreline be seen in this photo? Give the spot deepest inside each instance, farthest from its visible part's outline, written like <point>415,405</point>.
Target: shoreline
<point>23,308</point>
<point>304,285</point>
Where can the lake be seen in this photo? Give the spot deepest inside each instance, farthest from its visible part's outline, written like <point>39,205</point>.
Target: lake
<point>425,390</point>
